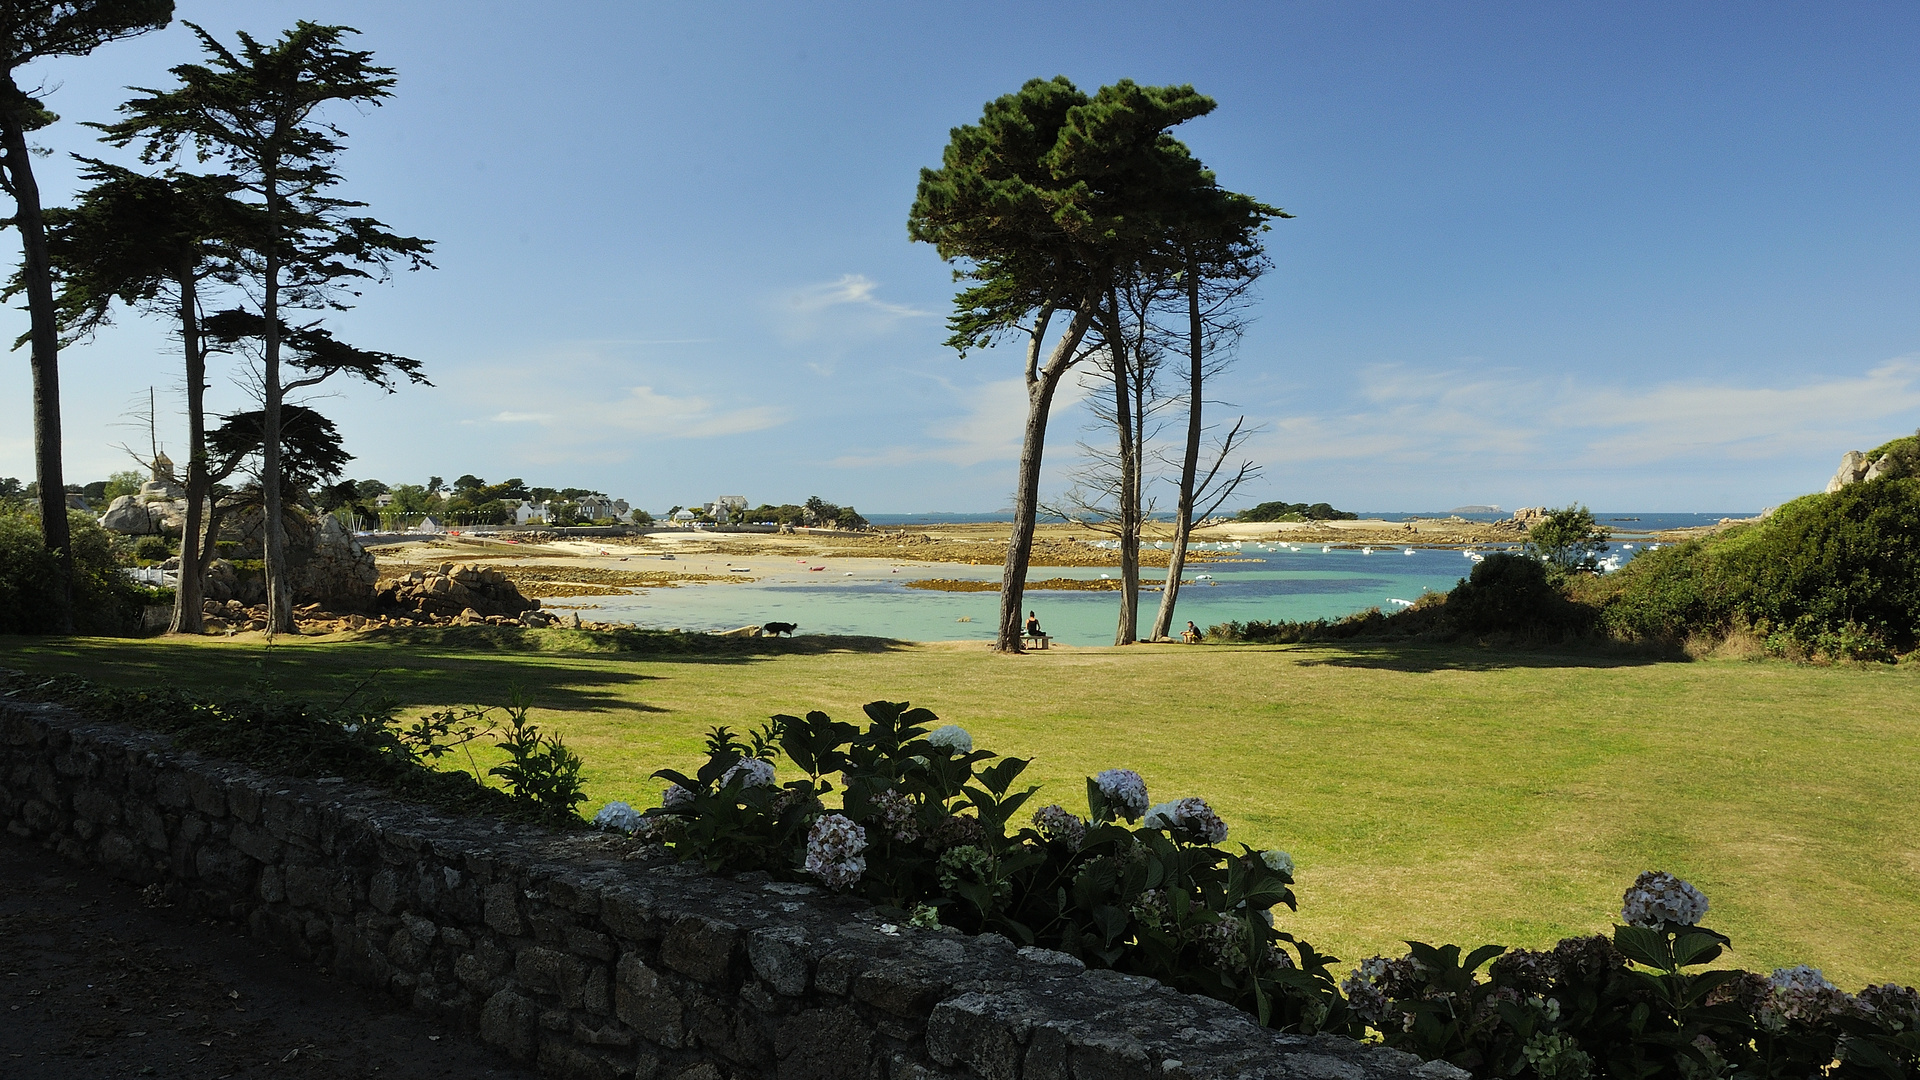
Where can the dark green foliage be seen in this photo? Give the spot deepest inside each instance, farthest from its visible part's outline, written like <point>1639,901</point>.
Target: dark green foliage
<point>105,600</point>
<point>32,29</point>
<point>1568,541</point>
<point>152,549</point>
<point>1902,457</point>
<point>1641,1006</point>
<point>1286,511</point>
<point>946,843</point>
<point>367,742</point>
<point>1837,573</point>
<point>815,511</point>
<point>540,772</point>
<point>1512,593</point>
<point>310,447</point>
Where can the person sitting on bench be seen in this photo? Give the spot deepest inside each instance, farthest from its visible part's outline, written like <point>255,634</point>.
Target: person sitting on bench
<point>1034,632</point>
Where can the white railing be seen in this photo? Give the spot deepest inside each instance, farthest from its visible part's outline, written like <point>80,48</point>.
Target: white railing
<point>153,575</point>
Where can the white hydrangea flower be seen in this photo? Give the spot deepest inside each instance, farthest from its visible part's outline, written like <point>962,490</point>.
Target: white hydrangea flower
<point>834,849</point>
<point>1278,860</point>
<point>952,737</point>
<point>1190,815</point>
<point>617,816</point>
<point>675,797</point>
<point>1124,790</point>
<point>1658,898</point>
<point>753,771</point>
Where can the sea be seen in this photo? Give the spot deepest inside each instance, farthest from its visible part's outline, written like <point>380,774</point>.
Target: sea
<point>1264,581</point>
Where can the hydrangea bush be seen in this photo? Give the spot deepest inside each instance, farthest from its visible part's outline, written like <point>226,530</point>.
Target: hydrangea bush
<point>1640,1005</point>
<point>938,834</point>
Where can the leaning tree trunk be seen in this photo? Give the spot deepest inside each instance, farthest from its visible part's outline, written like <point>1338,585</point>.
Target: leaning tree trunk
<point>37,273</point>
<point>1189,465</point>
<point>188,590</point>
<point>1128,629</point>
<point>1041,385</point>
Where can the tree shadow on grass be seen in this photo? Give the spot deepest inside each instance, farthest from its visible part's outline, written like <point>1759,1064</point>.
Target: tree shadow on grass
<point>1425,659</point>
<point>421,667</point>
<point>631,643</point>
<point>339,671</point>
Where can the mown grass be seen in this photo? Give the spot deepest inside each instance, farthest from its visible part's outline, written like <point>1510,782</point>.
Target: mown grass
<point>1435,793</point>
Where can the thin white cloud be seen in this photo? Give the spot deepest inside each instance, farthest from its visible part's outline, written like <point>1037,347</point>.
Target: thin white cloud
<point>1476,417</point>
<point>851,289</point>
<point>522,417</point>
<point>845,308</point>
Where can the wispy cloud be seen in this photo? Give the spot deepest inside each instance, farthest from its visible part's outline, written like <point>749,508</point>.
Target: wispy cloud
<point>846,307</point>
<point>641,411</point>
<point>1470,416</point>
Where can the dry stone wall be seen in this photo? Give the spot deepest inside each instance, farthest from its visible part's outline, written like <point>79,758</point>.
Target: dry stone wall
<point>597,957</point>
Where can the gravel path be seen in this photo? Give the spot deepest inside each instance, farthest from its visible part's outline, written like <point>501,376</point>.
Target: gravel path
<point>96,984</point>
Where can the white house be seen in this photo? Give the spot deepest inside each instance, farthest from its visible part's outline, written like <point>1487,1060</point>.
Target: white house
<point>383,501</point>
<point>527,511</point>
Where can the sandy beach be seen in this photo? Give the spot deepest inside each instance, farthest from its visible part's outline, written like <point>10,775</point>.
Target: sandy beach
<point>556,568</point>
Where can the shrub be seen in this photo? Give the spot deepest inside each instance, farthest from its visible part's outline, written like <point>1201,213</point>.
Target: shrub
<point>1508,593</point>
<point>1640,1004</point>
<point>1286,511</point>
<point>933,831</point>
<point>1838,574</point>
<point>1568,541</point>
<point>152,549</point>
<point>105,601</point>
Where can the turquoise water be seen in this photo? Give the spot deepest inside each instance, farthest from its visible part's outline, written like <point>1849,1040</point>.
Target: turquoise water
<point>1278,583</point>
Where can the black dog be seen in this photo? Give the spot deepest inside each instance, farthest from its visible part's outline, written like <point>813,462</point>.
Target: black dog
<point>778,628</point>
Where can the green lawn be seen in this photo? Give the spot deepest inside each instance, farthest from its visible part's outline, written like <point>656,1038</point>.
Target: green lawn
<point>1447,794</point>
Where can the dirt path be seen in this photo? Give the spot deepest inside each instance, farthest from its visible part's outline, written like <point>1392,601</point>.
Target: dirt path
<point>94,984</point>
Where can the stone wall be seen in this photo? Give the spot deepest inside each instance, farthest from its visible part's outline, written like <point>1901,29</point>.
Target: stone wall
<point>596,956</point>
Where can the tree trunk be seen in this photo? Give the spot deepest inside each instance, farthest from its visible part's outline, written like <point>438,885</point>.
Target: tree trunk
<point>1128,629</point>
<point>187,592</point>
<point>36,272</point>
<point>279,598</point>
<point>1041,385</point>
<point>1189,465</point>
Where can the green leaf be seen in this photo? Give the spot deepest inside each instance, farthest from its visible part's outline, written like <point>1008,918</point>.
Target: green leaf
<point>1696,948</point>
<point>1643,946</point>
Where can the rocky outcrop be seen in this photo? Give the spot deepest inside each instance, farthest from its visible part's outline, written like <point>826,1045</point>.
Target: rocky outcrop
<point>341,575</point>
<point>599,957</point>
<point>1853,469</point>
<point>453,590</point>
<point>1899,458</point>
<point>131,515</point>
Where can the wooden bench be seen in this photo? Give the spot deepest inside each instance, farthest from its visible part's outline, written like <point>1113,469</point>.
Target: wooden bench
<point>1037,640</point>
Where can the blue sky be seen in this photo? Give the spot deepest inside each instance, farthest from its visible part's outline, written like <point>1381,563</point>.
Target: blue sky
<point>1653,257</point>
